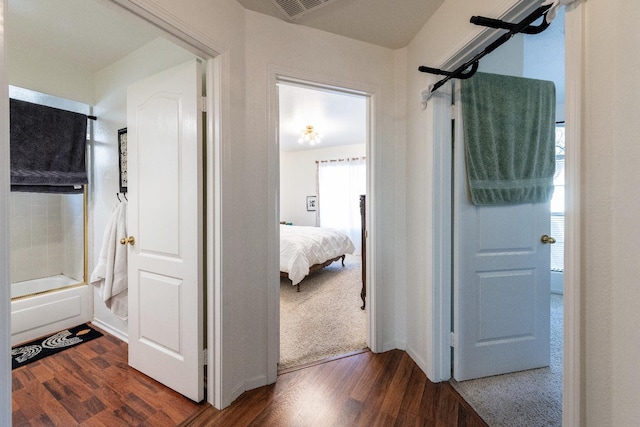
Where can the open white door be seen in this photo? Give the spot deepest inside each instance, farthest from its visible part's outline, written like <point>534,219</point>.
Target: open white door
<point>501,280</point>
<point>164,124</point>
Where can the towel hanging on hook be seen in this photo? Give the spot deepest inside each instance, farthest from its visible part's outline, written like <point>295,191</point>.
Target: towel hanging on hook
<point>469,68</point>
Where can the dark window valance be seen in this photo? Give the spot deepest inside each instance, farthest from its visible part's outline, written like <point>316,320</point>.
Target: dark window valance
<point>48,148</point>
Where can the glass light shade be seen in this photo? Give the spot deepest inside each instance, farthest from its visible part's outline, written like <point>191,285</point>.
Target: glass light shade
<point>310,136</point>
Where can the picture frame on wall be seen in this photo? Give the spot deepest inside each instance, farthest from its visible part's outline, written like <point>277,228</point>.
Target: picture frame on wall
<point>122,156</point>
<point>311,203</point>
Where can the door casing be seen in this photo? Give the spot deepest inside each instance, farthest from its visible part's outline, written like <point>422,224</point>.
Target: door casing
<point>277,74</point>
<point>441,307</point>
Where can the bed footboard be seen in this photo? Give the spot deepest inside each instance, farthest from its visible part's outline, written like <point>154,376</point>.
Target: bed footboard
<point>316,267</point>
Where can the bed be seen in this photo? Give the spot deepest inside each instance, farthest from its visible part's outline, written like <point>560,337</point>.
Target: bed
<point>307,249</point>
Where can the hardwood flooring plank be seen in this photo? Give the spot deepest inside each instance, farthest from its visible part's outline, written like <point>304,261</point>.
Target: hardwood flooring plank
<point>19,419</point>
<point>106,419</point>
<point>429,400</point>
<point>36,403</point>
<point>92,385</point>
<point>446,409</point>
<point>396,392</point>
<point>413,392</point>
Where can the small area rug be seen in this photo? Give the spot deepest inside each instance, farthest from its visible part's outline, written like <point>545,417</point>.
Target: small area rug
<point>43,347</point>
<point>324,319</point>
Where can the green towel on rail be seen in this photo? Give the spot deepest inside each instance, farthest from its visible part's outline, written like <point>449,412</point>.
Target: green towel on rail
<point>509,135</point>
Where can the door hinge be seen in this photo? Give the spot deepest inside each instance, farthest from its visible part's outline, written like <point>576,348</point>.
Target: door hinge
<point>203,104</point>
<point>204,357</point>
<point>452,340</point>
<point>454,111</point>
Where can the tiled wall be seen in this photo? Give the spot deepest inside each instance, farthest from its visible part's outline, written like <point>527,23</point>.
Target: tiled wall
<point>47,236</point>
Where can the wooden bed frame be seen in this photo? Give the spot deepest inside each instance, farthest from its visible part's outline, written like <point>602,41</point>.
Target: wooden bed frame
<point>316,267</point>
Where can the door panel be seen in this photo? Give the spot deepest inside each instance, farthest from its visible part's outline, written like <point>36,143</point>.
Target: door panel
<point>501,282</point>
<point>165,218</point>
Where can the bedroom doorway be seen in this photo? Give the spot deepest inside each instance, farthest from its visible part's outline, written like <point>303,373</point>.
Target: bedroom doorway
<point>323,174</point>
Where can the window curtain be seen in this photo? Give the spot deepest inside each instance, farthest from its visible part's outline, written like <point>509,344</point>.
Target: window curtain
<point>340,184</point>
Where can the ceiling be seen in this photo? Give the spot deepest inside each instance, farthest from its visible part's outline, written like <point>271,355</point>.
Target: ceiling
<point>340,118</point>
<point>84,33</point>
<point>387,23</point>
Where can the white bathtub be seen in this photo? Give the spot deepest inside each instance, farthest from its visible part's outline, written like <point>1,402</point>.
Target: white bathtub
<point>36,286</point>
<point>48,311</point>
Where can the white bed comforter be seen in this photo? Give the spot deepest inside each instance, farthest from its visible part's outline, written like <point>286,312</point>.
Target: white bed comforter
<point>302,247</point>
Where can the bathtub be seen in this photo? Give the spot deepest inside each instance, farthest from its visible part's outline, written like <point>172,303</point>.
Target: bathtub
<point>44,284</point>
<point>48,305</point>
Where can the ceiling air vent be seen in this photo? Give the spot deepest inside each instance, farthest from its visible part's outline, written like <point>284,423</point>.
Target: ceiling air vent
<point>296,8</point>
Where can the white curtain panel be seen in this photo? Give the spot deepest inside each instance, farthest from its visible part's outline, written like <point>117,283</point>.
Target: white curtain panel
<point>340,184</point>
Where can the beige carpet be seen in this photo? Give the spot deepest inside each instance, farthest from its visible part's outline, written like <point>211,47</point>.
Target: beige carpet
<point>324,319</point>
<point>522,399</point>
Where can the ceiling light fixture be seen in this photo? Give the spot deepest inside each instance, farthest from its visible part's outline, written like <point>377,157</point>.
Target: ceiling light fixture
<point>311,136</point>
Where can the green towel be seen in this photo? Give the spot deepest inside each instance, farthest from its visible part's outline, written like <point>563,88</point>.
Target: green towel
<point>509,134</point>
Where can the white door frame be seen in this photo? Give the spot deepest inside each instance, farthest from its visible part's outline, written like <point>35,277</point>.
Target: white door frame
<point>441,309</point>
<point>280,74</point>
<point>5,288</point>
<point>217,121</point>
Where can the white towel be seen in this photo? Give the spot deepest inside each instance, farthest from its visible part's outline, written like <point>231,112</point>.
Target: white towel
<point>110,274</point>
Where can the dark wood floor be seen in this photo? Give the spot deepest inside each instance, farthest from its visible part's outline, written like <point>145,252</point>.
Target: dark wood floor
<point>92,385</point>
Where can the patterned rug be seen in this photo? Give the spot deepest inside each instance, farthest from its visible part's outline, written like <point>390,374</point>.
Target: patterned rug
<point>43,347</point>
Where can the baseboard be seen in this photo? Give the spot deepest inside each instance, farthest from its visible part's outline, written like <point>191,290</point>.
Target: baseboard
<point>256,382</point>
<point>111,330</point>
<point>422,363</point>
<point>393,345</point>
<point>248,384</point>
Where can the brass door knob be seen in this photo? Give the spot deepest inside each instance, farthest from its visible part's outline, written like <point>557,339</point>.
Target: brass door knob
<point>130,240</point>
<point>547,239</point>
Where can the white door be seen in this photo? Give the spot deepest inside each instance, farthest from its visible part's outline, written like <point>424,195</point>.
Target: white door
<point>164,124</point>
<point>501,280</point>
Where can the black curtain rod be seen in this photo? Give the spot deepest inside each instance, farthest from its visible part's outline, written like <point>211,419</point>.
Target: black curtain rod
<point>525,26</point>
<point>88,117</point>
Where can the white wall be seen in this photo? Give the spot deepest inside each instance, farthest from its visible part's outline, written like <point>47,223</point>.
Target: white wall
<point>5,286</point>
<point>610,208</point>
<point>27,70</point>
<point>298,179</point>
<point>317,56</point>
